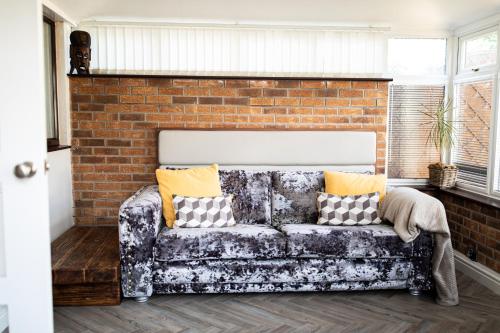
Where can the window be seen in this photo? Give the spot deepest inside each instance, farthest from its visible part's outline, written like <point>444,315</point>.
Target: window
<point>477,148</point>
<point>473,115</point>
<point>419,68</point>
<point>478,51</point>
<point>409,153</point>
<point>50,83</point>
<point>411,56</point>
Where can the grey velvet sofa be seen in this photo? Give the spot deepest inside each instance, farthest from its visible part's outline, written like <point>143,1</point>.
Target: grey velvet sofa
<point>275,247</point>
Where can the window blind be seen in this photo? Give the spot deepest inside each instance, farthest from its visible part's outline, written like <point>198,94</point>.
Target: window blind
<point>236,50</point>
<point>473,116</point>
<point>409,153</point>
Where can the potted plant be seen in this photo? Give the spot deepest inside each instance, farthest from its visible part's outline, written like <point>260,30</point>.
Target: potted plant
<point>442,136</point>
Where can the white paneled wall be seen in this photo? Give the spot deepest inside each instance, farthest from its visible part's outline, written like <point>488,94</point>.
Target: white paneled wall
<point>240,50</point>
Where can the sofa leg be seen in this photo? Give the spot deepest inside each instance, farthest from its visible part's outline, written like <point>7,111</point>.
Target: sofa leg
<point>415,292</point>
<point>141,299</point>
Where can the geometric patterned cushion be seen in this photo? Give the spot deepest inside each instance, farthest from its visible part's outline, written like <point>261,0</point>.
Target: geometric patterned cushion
<point>211,212</point>
<point>349,209</point>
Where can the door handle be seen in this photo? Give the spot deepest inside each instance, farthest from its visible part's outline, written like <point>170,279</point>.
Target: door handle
<point>25,170</point>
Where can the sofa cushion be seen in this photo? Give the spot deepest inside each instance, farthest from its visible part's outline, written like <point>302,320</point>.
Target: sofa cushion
<point>195,182</point>
<point>294,196</point>
<point>349,183</point>
<point>369,241</point>
<point>242,241</point>
<point>251,192</point>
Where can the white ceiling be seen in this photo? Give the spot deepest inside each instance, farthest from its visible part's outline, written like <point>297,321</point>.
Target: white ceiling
<point>401,15</point>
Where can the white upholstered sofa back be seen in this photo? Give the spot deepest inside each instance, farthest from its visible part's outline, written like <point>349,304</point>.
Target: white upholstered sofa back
<point>243,149</point>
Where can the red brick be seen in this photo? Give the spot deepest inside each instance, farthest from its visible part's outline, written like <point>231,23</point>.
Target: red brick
<point>364,84</point>
<point>261,119</point>
<point>237,83</point>
<point>184,83</point>
<point>273,110</point>
<point>183,100</point>
<point>262,83</point>
<point>159,82</point>
<point>128,82</point>
<point>91,90</point>
<point>196,91</point>
<point>337,102</point>
<point>313,84</point>
<point>338,84</point>
<point>363,102</point>
<point>211,83</point>
<point>306,101</point>
<point>300,110</point>
<point>350,93</point>
<point>287,101</point>
<point>287,119</point>
<point>326,92</point>
<point>91,107</point>
<point>118,143</point>
<point>261,101</point>
<point>128,99</point>
<point>312,119</point>
<point>287,84</point>
<point>236,100</point>
<point>105,81</point>
<point>235,119</point>
<point>250,92</point>
<point>161,99</point>
<point>210,100</point>
<point>170,91</point>
<point>301,93</point>
<point>144,91</point>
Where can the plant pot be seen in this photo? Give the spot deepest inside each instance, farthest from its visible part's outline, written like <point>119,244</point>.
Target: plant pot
<point>442,175</point>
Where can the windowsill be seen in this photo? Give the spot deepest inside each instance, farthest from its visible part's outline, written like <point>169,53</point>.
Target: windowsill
<point>56,148</point>
<point>481,198</point>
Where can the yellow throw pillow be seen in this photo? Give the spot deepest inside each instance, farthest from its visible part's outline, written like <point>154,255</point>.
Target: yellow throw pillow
<point>195,182</point>
<point>342,183</point>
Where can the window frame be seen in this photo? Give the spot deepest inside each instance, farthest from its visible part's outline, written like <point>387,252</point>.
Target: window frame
<point>423,79</point>
<point>53,143</point>
<point>490,72</point>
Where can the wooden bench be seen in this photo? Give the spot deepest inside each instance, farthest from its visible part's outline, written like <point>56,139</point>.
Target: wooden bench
<point>86,267</point>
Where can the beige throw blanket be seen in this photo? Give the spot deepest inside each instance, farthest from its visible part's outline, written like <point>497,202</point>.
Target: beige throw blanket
<point>410,210</point>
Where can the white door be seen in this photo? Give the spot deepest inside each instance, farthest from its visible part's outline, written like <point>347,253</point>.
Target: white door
<point>25,274</point>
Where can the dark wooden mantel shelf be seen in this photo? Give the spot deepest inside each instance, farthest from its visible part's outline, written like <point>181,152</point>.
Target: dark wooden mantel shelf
<point>228,75</point>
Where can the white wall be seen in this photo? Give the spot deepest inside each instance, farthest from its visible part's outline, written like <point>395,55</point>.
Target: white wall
<point>59,176</point>
<point>60,192</point>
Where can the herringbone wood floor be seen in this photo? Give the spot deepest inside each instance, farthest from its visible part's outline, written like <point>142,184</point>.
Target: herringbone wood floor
<point>377,311</point>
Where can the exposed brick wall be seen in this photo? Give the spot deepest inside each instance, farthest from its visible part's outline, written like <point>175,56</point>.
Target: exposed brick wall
<point>115,123</point>
<point>474,225</point>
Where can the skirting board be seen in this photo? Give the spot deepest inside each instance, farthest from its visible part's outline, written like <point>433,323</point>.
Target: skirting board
<point>4,319</point>
<point>482,274</point>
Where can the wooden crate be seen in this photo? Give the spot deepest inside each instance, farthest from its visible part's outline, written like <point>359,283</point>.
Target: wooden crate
<point>86,267</point>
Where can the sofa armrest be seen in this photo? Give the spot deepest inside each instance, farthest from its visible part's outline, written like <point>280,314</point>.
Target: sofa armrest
<point>140,220</point>
<point>420,277</point>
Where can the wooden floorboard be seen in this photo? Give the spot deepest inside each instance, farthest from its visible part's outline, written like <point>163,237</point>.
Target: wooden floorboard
<point>378,311</point>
